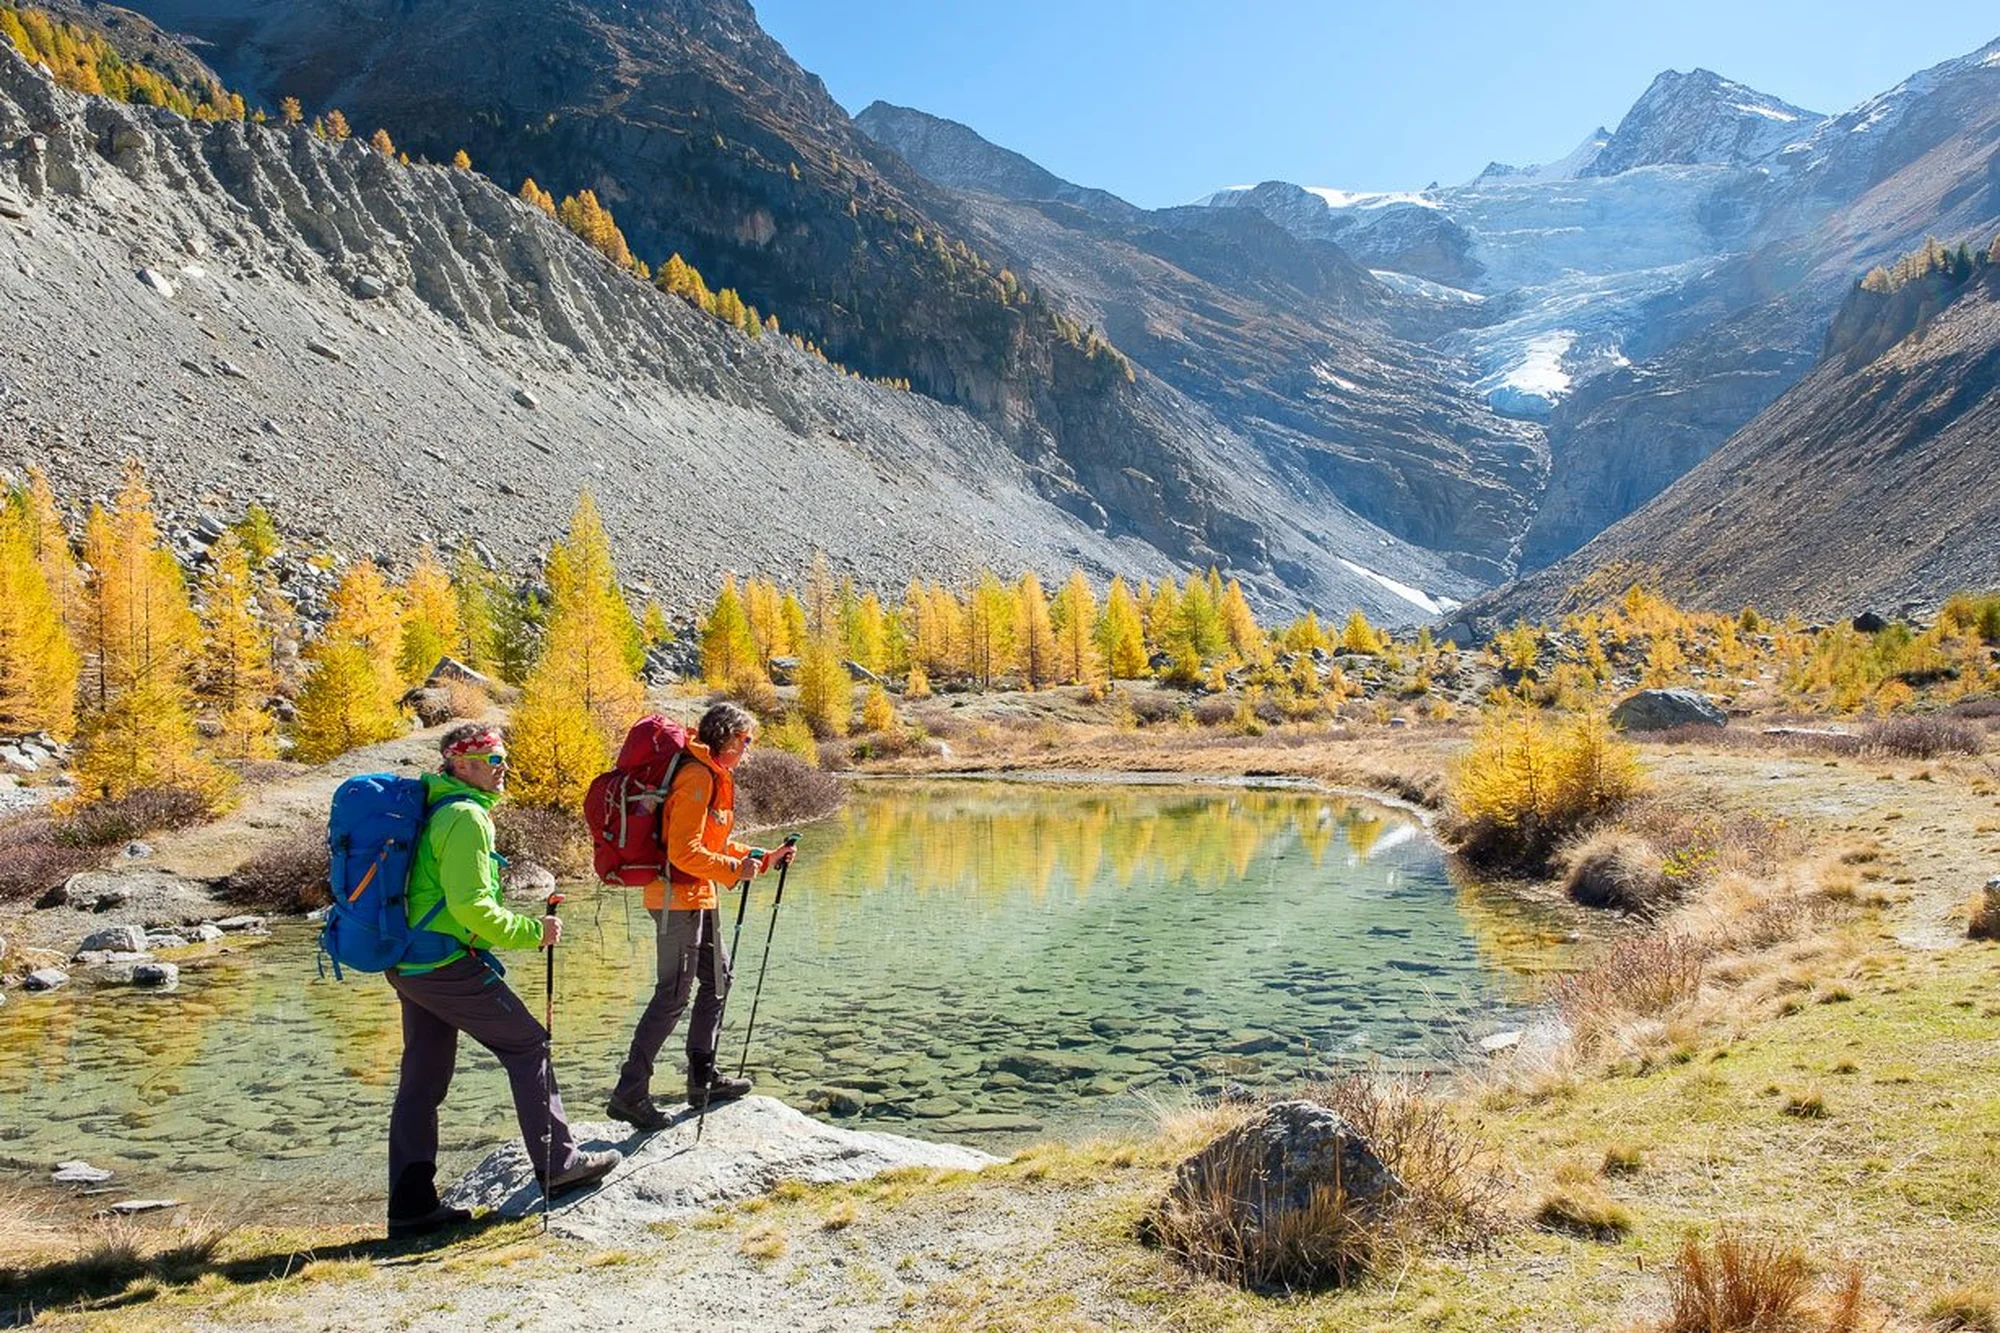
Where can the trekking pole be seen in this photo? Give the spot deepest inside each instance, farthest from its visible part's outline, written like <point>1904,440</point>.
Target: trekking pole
<point>791,840</point>
<point>549,1026</point>
<point>742,905</point>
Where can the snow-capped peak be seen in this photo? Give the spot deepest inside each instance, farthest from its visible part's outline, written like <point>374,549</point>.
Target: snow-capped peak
<point>1701,118</point>
<point>1565,168</point>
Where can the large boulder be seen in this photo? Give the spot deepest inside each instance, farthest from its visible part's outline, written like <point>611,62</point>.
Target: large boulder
<point>115,939</point>
<point>745,1148</point>
<point>1662,710</point>
<point>1293,1196</point>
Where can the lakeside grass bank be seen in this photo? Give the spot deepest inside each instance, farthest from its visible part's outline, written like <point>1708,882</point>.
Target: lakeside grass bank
<point>1835,1085</point>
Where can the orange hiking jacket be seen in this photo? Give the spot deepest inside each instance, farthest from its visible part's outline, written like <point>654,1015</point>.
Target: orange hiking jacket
<point>701,810</point>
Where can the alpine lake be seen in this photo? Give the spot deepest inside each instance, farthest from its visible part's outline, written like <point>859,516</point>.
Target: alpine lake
<point>980,961</point>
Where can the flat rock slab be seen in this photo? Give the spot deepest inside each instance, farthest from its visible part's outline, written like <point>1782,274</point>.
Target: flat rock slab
<point>747,1147</point>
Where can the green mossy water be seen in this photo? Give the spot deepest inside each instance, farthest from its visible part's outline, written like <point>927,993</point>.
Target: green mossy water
<point>968,960</point>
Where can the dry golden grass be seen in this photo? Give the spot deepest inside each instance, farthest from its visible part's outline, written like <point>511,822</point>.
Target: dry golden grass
<point>1975,1309</point>
<point>1983,916</point>
<point>1738,1285</point>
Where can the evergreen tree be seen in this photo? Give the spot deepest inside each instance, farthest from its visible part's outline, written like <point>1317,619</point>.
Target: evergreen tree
<point>341,706</point>
<point>765,611</point>
<point>878,713</point>
<point>1359,636</point>
<point>1034,636</point>
<point>864,631</point>
<point>337,128</point>
<point>289,111</point>
<point>1202,620</point>
<point>518,623</point>
<point>1075,621</point>
<point>822,598</point>
<point>236,671</point>
<point>536,195</point>
<point>586,685</point>
<point>1239,625</point>
<point>142,639</point>
<point>382,143</point>
<point>1121,635</point>
<point>728,650</point>
<point>38,664</point>
<point>989,629</point>
<point>259,535</point>
<point>430,625</point>
<point>48,539</point>
<point>474,588</point>
<point>826,695</point>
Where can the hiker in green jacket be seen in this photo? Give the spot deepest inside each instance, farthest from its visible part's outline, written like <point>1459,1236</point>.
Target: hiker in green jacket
<point>455,861</point>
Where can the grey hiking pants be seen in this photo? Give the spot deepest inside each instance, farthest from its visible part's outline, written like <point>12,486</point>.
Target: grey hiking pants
<point>467,996</point>
<point>690,948</point>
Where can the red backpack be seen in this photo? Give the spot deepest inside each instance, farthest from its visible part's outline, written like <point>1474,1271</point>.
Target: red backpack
<point>624,808</point>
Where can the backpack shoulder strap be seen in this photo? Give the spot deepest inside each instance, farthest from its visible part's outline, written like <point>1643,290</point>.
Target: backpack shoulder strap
<point>449,798</point>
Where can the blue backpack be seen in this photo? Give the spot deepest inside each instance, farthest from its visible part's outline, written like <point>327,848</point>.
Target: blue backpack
<point>371,839</point>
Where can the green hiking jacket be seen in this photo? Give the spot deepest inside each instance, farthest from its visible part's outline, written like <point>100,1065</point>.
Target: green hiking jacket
<point>455,861</point>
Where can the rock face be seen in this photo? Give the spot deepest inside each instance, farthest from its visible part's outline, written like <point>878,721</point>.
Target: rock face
<point>746,1147</point>
<point>1700,117</point>
<point>1661,710</point>
<point>710,141</point>
<point>639,393</point>
<point>958,156</point>
<point>1894,427</point>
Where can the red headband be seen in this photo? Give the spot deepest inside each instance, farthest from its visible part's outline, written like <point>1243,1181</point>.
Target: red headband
<point>484,742</point>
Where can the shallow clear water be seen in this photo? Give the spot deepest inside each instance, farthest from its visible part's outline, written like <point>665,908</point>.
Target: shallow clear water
<point>982,961</point>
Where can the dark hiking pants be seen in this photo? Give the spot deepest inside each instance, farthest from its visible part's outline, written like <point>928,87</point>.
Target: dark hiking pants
<point>690,948</point>
<point>467,996</point>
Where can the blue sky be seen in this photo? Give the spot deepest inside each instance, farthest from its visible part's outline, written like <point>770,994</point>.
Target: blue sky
<point>1162,102</point>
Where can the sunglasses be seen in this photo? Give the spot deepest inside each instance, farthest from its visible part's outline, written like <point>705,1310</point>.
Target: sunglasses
<point>492,760</point>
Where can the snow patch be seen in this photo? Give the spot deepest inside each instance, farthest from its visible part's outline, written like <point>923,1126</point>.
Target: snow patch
<point>1409,284</point>
<point>1414,596</point>
<point>1991,62</point>
<point>1767,112</point>
<point>1324,374</point>
<point>1365,199</point>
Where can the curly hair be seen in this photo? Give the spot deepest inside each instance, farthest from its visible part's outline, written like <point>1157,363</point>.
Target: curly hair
<point>721,722</point>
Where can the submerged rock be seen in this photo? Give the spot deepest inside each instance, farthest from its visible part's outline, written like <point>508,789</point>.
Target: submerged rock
<point>747,1147</point>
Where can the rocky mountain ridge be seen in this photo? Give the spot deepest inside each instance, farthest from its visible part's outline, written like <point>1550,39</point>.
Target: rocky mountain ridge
<point>705,138</point>
<point>1867,486</point>
<point>385,355</point>
<point>1645,299</point>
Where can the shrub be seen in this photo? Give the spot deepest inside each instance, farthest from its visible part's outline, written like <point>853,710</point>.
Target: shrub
<point>1214,712</point>
<point>776,787</point>
<point>286,877</point>
<point>791,735</point>
<point>551,838</point>
<point>1635,978</point>
<point>1580,1209</point>
<point>1452,1183</point>
<point>139,812</point>
<point>1923,737</point>
<point>1530,783</point>
<point>1327,1242</point>
<point>466,699</point>
<point>1736,1286</point>
<point>1975,1309</point>
<point>1617,869</point>
<point>1150,708</point>
<point>1983,917</point>
<point>29,869</point>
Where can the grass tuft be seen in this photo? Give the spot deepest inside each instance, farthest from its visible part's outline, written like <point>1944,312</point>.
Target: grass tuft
<point>1736,1286</point>
<point>1975,1309</point>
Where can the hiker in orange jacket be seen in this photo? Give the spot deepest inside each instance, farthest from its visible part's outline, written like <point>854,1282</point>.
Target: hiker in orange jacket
<point>700,813</point>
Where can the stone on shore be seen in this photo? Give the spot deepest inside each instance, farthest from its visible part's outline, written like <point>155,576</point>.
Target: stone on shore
<point>747,1147</point>
<point>1660,710</point>
<point>114,939</point>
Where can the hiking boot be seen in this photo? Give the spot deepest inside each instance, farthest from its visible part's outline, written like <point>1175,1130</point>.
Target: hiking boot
<point>424,1223</point>
<point>644,1113</point>
<point>705,1089</point>
<point>590,1167</point>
